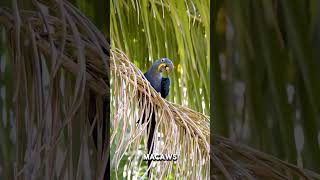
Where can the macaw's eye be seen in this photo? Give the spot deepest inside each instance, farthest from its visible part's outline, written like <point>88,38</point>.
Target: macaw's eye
<point>162,60</point>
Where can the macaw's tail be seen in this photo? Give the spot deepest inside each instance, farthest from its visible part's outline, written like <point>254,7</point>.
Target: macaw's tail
<point>151,129</point>
<point>149,117</point>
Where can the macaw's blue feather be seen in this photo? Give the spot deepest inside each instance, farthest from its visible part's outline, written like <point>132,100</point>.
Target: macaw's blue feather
<point>165,87</point>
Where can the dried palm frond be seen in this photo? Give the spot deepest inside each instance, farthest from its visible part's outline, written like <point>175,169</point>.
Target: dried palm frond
<point>233,160</point>
<point>181,130</point>
<point>60,79</point>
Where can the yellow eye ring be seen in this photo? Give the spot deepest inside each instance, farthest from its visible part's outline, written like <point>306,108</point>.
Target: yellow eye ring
<point>162,60</point>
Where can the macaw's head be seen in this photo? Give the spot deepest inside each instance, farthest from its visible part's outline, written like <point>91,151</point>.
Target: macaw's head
<point>163,65</point>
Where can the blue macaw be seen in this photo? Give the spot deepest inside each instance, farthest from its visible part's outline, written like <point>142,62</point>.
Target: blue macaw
<point>154,76</point>
<point>160,84</point>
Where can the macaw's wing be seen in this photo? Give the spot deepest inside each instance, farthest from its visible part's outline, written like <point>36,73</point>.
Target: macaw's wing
<point>165,87</point>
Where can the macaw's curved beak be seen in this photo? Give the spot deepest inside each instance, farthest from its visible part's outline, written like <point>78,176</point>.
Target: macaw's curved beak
<point>161,67</point>
<point>164,67</point>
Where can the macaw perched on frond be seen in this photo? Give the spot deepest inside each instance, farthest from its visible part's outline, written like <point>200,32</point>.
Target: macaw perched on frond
<point>160,84</point>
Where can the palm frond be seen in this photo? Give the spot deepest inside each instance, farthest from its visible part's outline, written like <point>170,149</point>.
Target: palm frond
<point>233,160</point>
<point>60,79</point>
<point>181,130</point>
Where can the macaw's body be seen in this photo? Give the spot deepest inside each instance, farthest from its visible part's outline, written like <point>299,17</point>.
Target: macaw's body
<point>154,76</point>
<point>160,84</point>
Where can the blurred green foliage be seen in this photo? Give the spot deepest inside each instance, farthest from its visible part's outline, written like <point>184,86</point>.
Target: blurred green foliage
<point>178,30</point>
<point>266,76</point>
